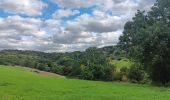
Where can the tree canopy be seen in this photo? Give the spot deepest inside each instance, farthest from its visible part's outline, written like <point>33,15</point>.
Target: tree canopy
<point>146,39</point>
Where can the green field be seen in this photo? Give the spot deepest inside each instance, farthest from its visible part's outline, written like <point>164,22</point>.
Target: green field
<point>18,83</point>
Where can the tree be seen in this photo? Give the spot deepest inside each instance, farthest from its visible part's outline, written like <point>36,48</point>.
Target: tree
<point>43,67</point>
<point>58,69</point>
<point>86,73</point>
<point>146,39</point>
<point>109,72</point>
<point>97,71</point>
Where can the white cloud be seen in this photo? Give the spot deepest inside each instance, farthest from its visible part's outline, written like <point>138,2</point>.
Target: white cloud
<point>74,3</point>
<point>100,27</point>
<point>90,30</point>
<point>65,13</point>
<point>23,26</point>
<point>25,7</point>
<point>18,32</point>
<point>115,5</point>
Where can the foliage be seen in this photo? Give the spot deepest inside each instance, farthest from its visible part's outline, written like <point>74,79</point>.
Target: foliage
<point>92,64</point>
<point>117,76</point>
<point>121,63</point>
<point>109,73</point>
<point>136,73</point>
<point>124,70</point>
<point>86,73</point>
<point>146,39</point>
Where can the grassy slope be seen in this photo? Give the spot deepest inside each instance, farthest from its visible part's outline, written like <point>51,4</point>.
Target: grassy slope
<point>22,84</point>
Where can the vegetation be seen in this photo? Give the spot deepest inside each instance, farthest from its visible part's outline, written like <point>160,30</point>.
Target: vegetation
<point>142,55</point>
<point>18,83</point>
<point>136,73</point>
<point>121,63</point>
<point>92,64</point>
<point>146,39</point>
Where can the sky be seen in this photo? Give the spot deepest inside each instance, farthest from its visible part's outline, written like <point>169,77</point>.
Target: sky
<point>64,25</point>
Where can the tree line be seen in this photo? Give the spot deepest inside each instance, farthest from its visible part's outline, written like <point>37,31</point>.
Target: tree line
<point>91,64</point>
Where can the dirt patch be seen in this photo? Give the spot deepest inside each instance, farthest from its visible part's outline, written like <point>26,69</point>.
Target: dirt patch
<point>42,72</point>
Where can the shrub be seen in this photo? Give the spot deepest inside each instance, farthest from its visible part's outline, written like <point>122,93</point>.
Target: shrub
<point>124,70</point>
<point>136,73</point>
<point>58,69</point>
<point>117,76</point>
<point>97,71</point>
<point>85,73</point>
<point>109,73</point>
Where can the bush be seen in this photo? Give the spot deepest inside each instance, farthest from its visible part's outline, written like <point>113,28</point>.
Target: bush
<point>136,73</point>
<point>97,71</point>
<point>146,79</point>
<point>117,76</point>
<point>85,73</point>
<point>58,69</point>
<point>43,67</point>
<point>124,70</point>
<point>109,73</point>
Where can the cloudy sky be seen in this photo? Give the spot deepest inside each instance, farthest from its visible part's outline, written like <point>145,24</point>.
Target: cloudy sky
<point>64,25</point>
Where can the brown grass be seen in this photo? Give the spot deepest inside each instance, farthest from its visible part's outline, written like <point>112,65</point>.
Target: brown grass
<point>44,73</point>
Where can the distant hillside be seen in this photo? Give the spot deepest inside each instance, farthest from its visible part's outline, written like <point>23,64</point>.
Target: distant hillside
<point>92,63</point>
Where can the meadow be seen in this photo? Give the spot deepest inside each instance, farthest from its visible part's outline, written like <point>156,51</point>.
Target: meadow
<point>17,83</point>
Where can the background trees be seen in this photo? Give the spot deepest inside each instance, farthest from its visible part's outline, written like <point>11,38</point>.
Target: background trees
<point>91,64</point>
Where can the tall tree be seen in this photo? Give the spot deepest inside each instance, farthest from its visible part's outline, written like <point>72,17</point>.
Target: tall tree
<point>147,40</point>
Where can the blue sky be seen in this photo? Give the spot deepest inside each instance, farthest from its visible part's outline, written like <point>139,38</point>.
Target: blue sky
<point>64,25</point>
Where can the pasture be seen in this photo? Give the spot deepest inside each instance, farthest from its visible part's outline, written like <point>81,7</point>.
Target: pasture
<point>17,83</point>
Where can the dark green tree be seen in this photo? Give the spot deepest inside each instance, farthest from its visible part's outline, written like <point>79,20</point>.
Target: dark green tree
<point>136,73</point>
<point>146,39</point>
<point>86,73</point>
<point>97,71</point>
<point>109,73</point>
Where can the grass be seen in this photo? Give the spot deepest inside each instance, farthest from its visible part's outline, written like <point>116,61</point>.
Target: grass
<point>18,83</point>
